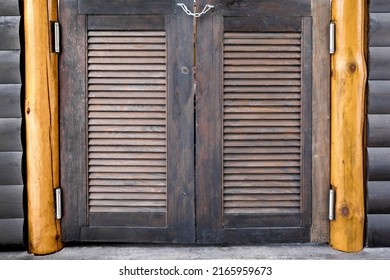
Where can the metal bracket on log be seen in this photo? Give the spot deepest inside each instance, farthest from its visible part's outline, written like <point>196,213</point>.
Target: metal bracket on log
<point>332,36</point>
<point>56,35</point>
<point>58,203</point>
<point>332,195</point>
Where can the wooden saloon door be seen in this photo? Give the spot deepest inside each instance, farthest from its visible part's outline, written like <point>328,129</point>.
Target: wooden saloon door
<point>127,132</point>
<point>253,161</point>
<point>139,163</point>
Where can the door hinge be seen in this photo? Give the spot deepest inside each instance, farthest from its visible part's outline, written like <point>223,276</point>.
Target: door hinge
<point>58,203</point>
<point>56,37</point>
<point>332,37</point>
<point>332,196</point>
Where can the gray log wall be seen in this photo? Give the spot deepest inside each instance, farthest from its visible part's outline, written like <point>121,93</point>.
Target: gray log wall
<point>378,125</point>
<point>11,149</point>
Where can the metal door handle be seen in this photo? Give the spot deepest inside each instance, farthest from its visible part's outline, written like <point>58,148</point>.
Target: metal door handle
<point>188,12</point>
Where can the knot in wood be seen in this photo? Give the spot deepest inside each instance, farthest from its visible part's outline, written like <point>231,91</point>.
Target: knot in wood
<point>352,67</point>
<point>345,211</point>
<point>185,70</point>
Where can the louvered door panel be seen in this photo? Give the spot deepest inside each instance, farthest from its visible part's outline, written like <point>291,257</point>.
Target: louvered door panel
<point>262,123</point>
<point>127,121</point>
<point>254,128</point>
<point>125,167</point>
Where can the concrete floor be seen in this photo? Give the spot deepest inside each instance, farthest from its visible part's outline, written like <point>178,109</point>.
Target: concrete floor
<point>172,252</point>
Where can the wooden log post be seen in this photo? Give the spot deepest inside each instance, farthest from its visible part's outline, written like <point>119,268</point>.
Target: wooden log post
<point>41,113</point>
<point>348,82</point>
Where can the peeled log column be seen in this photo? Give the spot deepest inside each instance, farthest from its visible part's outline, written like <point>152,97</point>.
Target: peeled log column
<point>349,76</point>
<point>41,113</point>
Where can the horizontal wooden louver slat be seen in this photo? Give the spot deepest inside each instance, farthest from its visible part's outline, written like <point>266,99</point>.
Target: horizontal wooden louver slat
<point>262,123</point>
<point>127,121</point>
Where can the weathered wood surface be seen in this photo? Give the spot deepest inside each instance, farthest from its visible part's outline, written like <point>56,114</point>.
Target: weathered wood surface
<point>10,8</point>
<point>321,121</point>
<point>248,156</point>
<point>347,111</point>
<point>122,23</point>
<point>263,24</point>
<point>378,230</point>
<point>379,6</point>
<point>260,8</point>
<point>379,63</point>
<point>41,113</point>
<point>11,138</point>
<point>11,232</point>
<point>139,175</point>
<point>378,130</point>
<point>9,32</point>
<point>73,109</point>
<point>378,100</point>
<point>254,109</point>
<point>180,125</point>
<point>125,7</point>
<point>378,197</point>
<point>127,170</point>
<point>10,67</point>
<point>11,202</point>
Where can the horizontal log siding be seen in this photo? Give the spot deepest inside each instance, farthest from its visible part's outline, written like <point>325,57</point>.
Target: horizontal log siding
<point>378,125</point>
<point>11,150</point>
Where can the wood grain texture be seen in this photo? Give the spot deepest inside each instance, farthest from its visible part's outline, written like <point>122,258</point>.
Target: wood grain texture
<point>262,8</point>
<point>209,111</point>
<point>263,24</point>
<point>378,196</point>
<point>73,131</point>
<point>11,202</point>
<point>139,128</point>
<point>378,230</point>
<point>10,67</point>
<point>10,8</point>
<point>249,84</point>
<point>347,110</point>
<point>125,7</point>
<point>181,130</point>
<point>10,131</point>
<point>122,23</point>
<point>10,32</point>
<point>321,122</point>
<point>42,142</point>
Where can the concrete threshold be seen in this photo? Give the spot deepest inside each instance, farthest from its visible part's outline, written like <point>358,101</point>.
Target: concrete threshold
<point>196,252</point>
